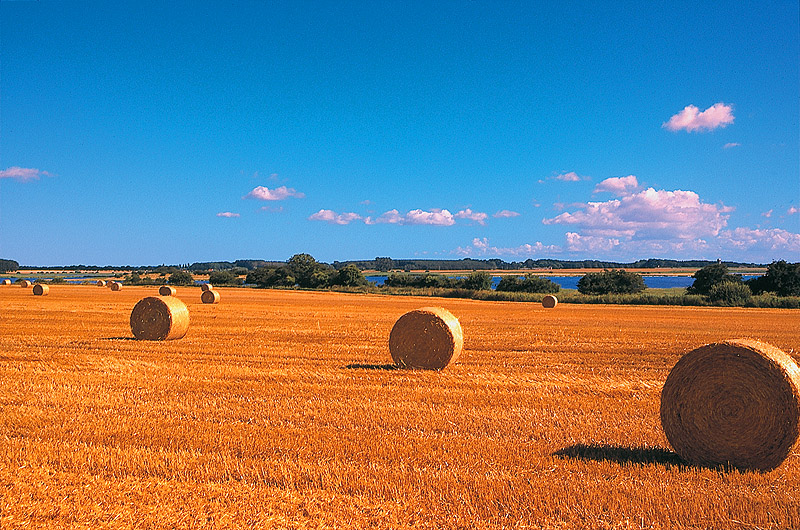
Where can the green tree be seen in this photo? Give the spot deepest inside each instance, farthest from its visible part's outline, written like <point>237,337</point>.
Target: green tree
<point>781,278</point>
<point>384,264</point>
<point>529,284</point>
<point>302,267</point>
<point>223,278</point>
<point>8,265</point>
<point>181,278</point>
<point>349,276</point>
<point>616,281</point>
<point>709,276</point>
<point>478,281</point>
<point>270,277</point>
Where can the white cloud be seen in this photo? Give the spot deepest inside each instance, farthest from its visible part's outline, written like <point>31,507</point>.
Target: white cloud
<point>434,217</point>
<point>793,210</point>
<point>23,174</point>
<point>478,217</point>
<point>506,214</point>
<point>769,239</point>
<point>649,214</point>
<point>767,214</point>
<point>481,247</point>
<point>332,217</point>
<point>570,177</point>
<point>691,119</point>
<point>278,194</point>
<point>730,145</point>
<point>618,185</point>
<point>228,214</point>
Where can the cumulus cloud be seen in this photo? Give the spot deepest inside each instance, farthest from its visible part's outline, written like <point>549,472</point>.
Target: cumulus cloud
<point>768,213</point>
<point>434,217</point>
<point>649,214</point>
<point>332,217</point>
<point>228,214</point>
<point>793,210</point>
<point>278,194</point>
<point>570,177</point>
<point>506,213</point>
<point>691,119</point>
<point>481,247</point>
<point>23,174</point>
<point>731,144</point>
<point>768,239</point>
<point>478,217</point>
<point>618,185</point>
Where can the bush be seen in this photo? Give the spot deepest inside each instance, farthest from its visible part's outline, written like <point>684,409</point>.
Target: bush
<point>477,281</point>
<point>349,276</point>
<point>181,278</point>
<point>709,276</point>
<point>529,284</point>
<point>729,293</point>
<point>223,278</point>
<point>616,281</point>
<point>270,277</point>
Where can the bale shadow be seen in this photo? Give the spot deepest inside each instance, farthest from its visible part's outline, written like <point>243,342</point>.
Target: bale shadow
<point>118,338</point>
<point>360,366</point>
<point>622,455</point>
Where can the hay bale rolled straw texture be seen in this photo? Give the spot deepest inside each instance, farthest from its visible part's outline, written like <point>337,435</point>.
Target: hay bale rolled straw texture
<point>41,290</point>
<point>159,318</point>
<point>429,338</point>
<point>549,301</point>
<point>206,287</point>
<point>6,282</point>
<point>210,297</point>
<point>25,283</point>
<point>167,290</point>
<point>115,286</point>
<point>101,283</point>
<point>734,403</point>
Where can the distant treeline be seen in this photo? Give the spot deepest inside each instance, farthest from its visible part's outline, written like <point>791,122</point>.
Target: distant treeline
<point>386,264</point>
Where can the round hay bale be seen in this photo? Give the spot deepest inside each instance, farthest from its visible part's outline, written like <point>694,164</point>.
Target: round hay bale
<point>157,318</point>
<point>428,338</point>
<point>206,287</point>
<point>101,283</point>
<point>167,290</point>
<point>210,297</point>
<point>115,286</point>
<point>40,289</point>
<point>25,283</point>
<point>6,282</point>
<point>549,301</point>
<point>733,403</point>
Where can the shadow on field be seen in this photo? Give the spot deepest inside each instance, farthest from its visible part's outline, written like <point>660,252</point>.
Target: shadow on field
<point>118,338</point>
<point>358,366</point>
<point>621,455</point>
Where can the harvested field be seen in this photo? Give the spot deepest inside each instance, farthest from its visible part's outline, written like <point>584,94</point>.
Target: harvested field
<point>280,409</point>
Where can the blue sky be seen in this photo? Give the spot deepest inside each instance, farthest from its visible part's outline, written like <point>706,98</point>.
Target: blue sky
<point>170,132</point>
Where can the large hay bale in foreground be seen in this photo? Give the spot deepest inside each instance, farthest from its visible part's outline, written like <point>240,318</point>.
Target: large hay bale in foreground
<point>6,282</point>
<point>733,403</point>
<point>428,338</point>
<point>159,318</point>
<point>210,297</point>
<point>101,283</point>
<point>549,301</point>
<point>25,283</point>
<point>115,286</point>
<point>41,290</point>
<point>206,287</point>
<point>167,290</point>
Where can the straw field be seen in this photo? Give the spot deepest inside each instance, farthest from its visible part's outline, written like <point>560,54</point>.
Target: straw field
<point>279,410</point>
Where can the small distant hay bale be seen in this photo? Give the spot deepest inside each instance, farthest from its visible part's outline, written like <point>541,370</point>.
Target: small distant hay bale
<point>210,297</point>
<point>428,338</point>
<point>549,301</point>
<point>6,282</point>
<point>159,318</point>
<point>167,290</point>
<point>101,283</point>
<point>40,289</point>
<point>25,283</point>
<point>115,286</point>
<point>206,287</point>
<point>734,403</point>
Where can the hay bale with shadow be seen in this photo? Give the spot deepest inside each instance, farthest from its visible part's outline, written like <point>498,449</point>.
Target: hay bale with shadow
<point>115,286</point>
<point>40,289</point>
<point>6,282</point>
<point>549,301</point>
<point>427,338</point>
<point>101,283</point>
<point>733,403</point>
<point>206,287</point>
<point>210,297</point>
<point>159,318</point>
<point>167,290</point>
<point>25,283</point>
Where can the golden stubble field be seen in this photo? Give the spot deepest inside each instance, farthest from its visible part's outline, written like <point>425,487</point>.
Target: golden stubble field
<point>279,410</point>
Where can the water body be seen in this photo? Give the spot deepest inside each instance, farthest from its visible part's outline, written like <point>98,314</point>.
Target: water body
<point>571,282</point>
